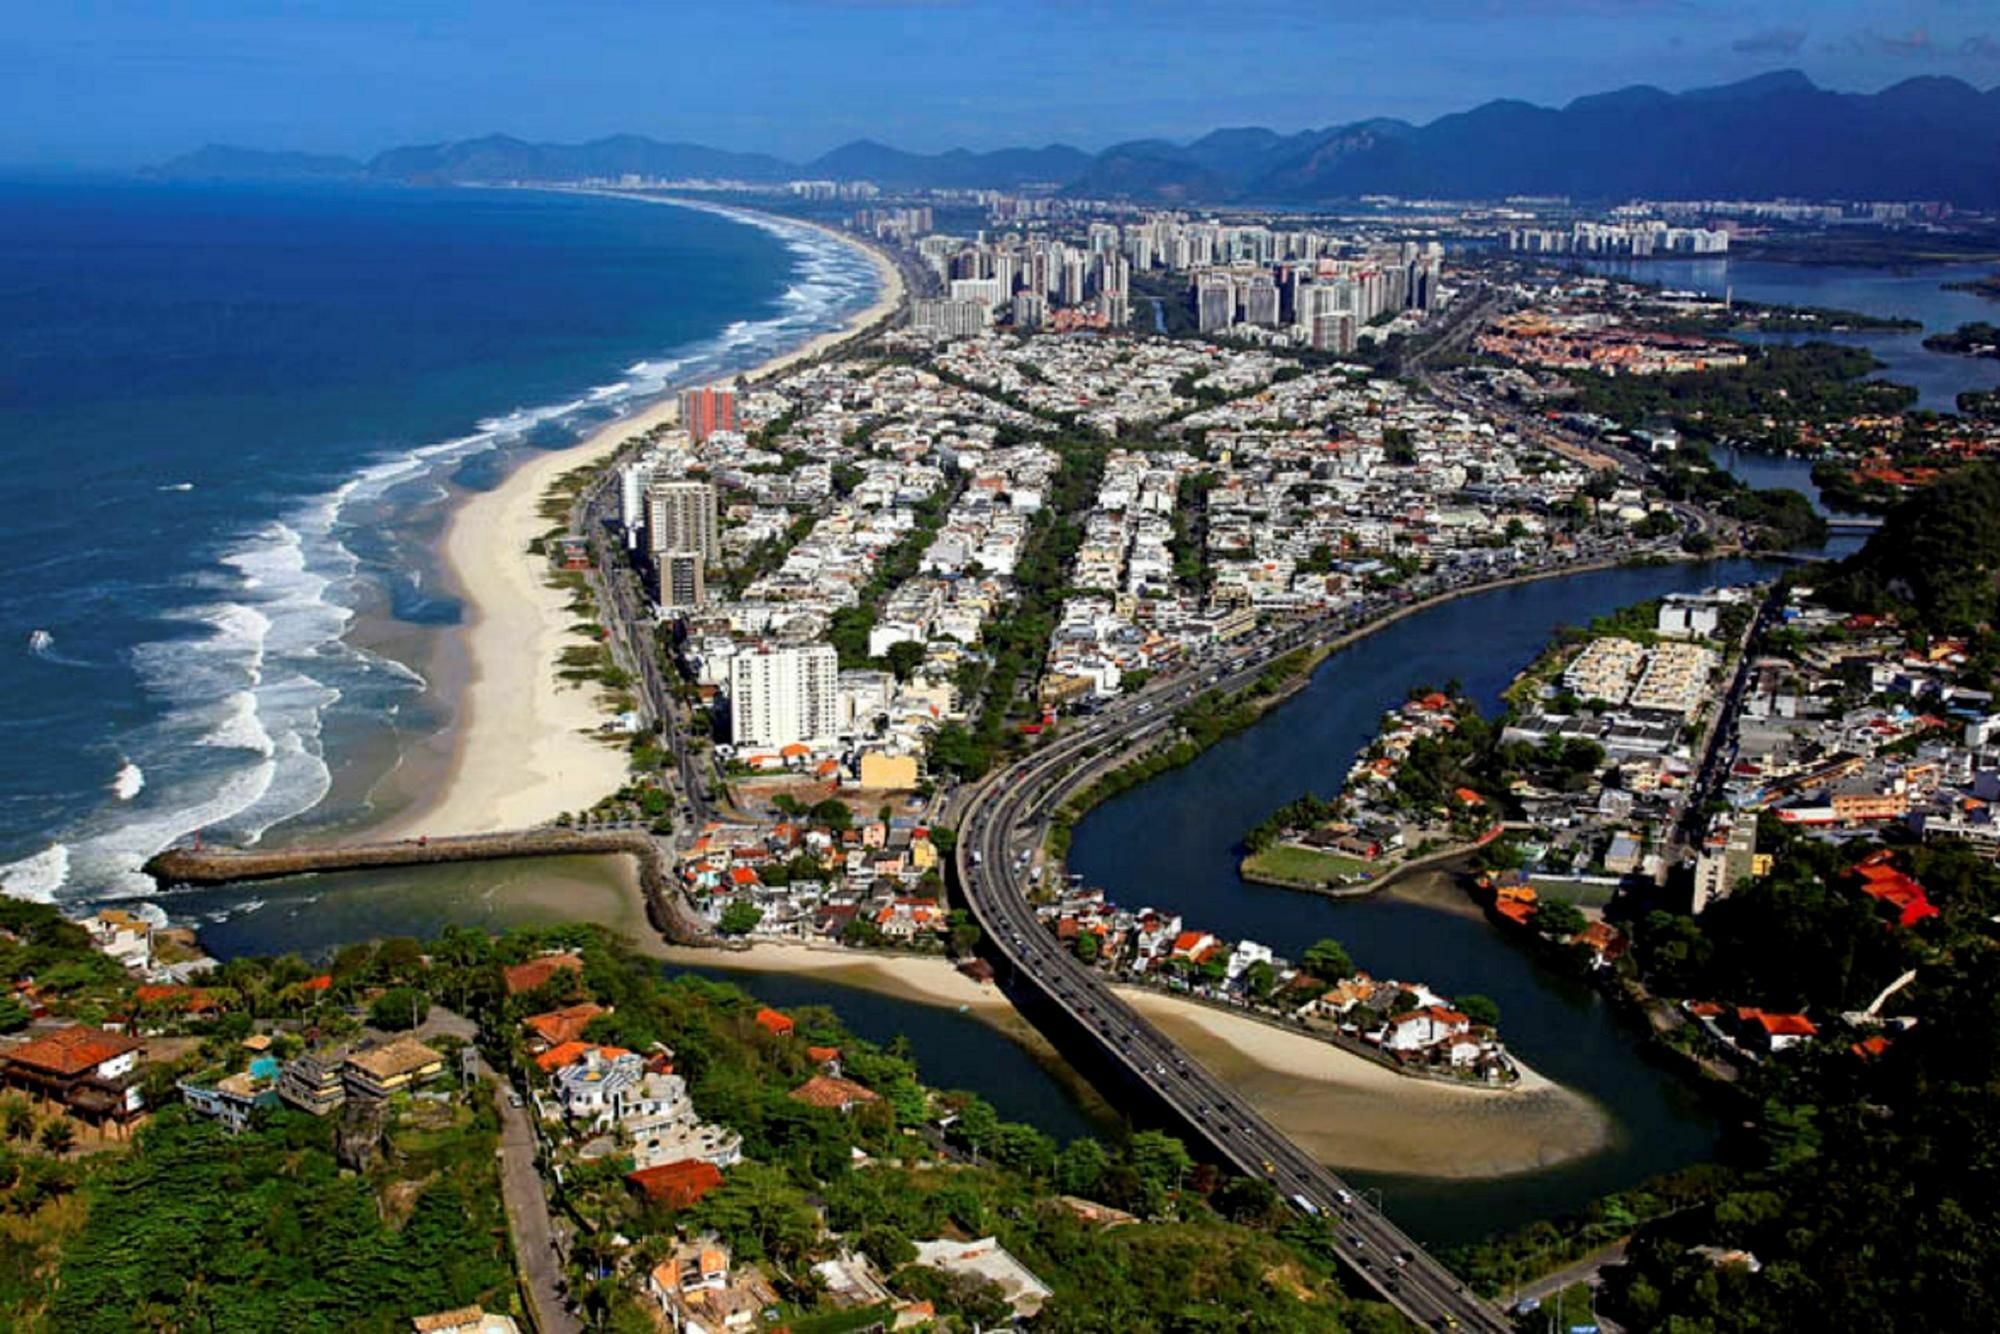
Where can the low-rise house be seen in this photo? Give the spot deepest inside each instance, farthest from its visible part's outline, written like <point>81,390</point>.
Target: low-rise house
<point>465,1320</point>
<point>378,1072</point>
<point>677,1185</point>
<point>986,1258</point>
<point>234,1099</point>
<point>775,1023</point>
<point>92,1073</point>
<point>700,1294</point>
<point>521,978</point>
<point>556,1027</point>
<point>840,1095</point>
<point>1417,1029</point>
<point>313,1084</point>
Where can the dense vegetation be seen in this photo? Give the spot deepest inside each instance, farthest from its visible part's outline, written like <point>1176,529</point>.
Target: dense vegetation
<point>1762,405</point>
<point>263,1231</point>
<point>1868,1188</point>
<point>1978,339</point>
<point>1935,557</point>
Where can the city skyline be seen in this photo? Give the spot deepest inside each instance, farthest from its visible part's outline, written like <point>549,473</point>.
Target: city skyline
<point>797,78</point>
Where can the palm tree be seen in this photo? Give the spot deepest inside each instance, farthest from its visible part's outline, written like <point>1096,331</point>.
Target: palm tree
<point>17,1119</point>
<point>58,1136</point>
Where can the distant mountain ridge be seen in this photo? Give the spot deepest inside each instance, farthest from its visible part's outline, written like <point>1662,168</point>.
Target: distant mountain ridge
<point>1775,134</point>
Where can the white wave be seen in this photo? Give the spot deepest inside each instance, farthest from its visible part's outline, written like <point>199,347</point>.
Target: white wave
<point>129,782</point>
<point>176,486</point>
<point>41,643</point>
<point>240,749</point>
<point>37,877</point>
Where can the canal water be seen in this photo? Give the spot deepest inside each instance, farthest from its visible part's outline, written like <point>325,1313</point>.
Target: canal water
<point>1174,843</point>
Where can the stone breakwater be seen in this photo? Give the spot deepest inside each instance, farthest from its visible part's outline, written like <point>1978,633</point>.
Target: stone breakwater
<point>665,908</point>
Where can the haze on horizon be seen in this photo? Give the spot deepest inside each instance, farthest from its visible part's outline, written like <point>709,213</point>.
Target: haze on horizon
<point>125,82</point>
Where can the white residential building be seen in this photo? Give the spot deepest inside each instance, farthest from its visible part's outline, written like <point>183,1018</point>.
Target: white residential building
<point>782,696</point>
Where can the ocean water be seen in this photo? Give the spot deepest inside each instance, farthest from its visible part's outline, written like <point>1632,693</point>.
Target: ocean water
<point>232,420</point>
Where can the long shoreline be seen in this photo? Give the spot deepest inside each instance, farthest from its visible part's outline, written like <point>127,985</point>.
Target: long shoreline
<point>523,743</point>
<point>1348,1112</point>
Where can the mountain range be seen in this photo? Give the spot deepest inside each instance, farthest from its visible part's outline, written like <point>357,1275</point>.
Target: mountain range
<point>1776,134</point>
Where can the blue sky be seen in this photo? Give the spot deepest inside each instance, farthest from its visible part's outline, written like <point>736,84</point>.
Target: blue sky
<point>122,82</point>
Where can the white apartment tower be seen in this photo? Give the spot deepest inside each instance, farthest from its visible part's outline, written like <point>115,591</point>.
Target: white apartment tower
<point>778,696</point>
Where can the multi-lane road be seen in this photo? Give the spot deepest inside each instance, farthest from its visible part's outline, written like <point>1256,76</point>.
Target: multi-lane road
<point>1000,822</point>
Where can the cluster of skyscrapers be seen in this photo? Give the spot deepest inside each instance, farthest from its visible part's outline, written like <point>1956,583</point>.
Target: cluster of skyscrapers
<point>1323,302</point>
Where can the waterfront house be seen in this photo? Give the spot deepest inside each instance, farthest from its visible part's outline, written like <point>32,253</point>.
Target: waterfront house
<point>92,1073</point>
<point>1761,1030</point>
<point>1419,1029</point>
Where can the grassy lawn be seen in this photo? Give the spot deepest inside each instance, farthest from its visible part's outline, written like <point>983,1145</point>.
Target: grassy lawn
<point>1287,862</point>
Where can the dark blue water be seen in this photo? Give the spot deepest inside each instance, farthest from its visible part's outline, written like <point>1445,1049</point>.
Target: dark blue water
<point>1913,294</point>
<point>1173,844</point>
<point>231,415</point>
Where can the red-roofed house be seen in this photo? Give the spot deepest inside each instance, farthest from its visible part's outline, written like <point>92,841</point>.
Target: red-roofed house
<point>771,1021</point>
<point>1774,1032</point>
<point>524,977</point>
<point>840,1095</point>
<point>569,1053</point>
<point>93,1073</point>
<point>554,1028</point>
<point>1886,884</point>
<point>677,1184</point>
<point>1427,1027</point>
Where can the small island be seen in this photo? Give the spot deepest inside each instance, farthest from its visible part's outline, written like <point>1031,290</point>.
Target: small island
<point>1987,285</point>
<point>1978,339</point>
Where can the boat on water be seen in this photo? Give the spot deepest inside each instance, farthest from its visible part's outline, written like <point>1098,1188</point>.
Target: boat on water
<point>40,641</point>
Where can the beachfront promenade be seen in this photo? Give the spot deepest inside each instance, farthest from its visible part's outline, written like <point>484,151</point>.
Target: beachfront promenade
<point>1000,822</point>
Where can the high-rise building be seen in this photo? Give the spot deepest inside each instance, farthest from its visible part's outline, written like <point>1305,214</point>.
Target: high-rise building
<point>680,516</point>
<point>1260,301</point>
<point>1031,310</point>
<point>683,584</point>
<point>1214,302</point>
<point>635,480</point>
<point>954,319</point>
<point>778,696</point>
<point>707,410</point>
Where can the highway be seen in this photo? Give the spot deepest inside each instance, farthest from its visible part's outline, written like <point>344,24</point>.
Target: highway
<point>1000,823</point>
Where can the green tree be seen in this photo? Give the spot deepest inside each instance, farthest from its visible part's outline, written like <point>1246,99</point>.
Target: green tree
<point>14,1015</point>
<point>17,1118</point>
<point>1086,947</point>
<point>58,1135</point>
<point>1080,1167</point>
<point>1558,919</point>
<point>1328,960</point>
<point>740,918</point>
<point>399,1008</point>
<point>1480,1009</point>
<point>904,657</point>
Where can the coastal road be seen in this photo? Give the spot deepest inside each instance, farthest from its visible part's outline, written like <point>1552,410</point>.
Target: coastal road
<point>528,1214</point>
<point>1000,824</point>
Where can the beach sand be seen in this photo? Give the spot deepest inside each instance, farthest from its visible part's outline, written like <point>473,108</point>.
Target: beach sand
<point>1346,1111</point>
<point>524,745</point>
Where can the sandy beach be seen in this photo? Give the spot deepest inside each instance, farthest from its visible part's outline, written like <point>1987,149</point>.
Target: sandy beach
<point>524,746</point>
<point>1346,1111</point>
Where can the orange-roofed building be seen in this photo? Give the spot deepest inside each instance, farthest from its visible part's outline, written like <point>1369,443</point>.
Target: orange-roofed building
<point>1870,1047</point>
<point>1775,1031</point>
<point>771,1021</point>
<point>180,1000</point>
<point>323,982</point>
<point>840,1095</point>
<point>821,1055</point>
<point>556,1027</point>
<point>1467,797</point>
<point>93,1073</point>
<point>525,977</point>
<point>569,1053</point>
<point>1885,884</point>
<point>677,1184</point>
